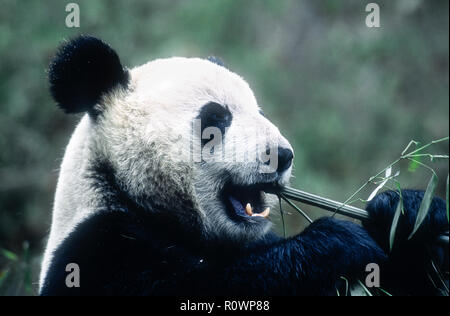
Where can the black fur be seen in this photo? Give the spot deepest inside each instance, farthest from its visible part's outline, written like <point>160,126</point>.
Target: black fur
<point>83,70</point>
<point>216,115</point>
<point>216,60</point>
<point>121,253</point>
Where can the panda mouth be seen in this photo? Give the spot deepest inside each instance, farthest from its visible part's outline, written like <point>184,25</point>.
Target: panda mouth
<point>246,202</point>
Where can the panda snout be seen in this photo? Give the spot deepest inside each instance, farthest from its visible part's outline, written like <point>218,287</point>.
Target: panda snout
<point>278,160</point>
<point>285,157</point>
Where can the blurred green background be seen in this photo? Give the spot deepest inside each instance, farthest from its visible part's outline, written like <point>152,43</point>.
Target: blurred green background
<point>348,97</point>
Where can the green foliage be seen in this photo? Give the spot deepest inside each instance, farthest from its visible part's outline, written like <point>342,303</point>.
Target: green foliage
<point>16,274</point>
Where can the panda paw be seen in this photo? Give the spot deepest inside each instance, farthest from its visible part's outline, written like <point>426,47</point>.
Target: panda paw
<point>381,213</point>
<point>405,272</point>
<point>349,246</point>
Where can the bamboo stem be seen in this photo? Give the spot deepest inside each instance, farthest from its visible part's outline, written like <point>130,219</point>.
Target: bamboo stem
<point>323,203</point>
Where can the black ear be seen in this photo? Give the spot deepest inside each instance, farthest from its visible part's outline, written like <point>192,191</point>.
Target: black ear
<point>82,71</point>
<point>216,60</point>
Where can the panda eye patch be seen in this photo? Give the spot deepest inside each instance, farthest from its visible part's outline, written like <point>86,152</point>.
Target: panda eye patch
<point>213,114</point>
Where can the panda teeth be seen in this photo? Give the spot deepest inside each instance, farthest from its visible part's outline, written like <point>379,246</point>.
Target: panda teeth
<point>249,210</point>
<point>264,214</point>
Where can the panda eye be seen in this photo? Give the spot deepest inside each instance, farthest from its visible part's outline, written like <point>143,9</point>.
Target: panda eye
<point>215,115</point>
<point>218,117</point>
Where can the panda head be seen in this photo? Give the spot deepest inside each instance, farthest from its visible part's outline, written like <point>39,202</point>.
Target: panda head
<point>183,136</point>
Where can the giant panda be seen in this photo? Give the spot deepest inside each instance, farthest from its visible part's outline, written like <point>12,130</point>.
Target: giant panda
<point>139,216</point>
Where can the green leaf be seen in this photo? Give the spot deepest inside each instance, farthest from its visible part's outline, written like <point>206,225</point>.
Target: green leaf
<point>384,291</point>
<point>346,285</point>
<point>382,184</point>
<point>365,288</point>
<point>413,164</point>
<point>426,202</point>
<point>9,255</point>
<point>282,218</point>
<point>398,211</point>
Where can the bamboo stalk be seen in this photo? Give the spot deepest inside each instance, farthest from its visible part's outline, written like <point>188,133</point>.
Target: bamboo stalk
<point>323,203</point>
<point>332,206</point>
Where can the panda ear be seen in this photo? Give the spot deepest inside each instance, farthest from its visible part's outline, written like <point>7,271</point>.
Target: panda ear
<point>83,70</point>
<point>216,60</point>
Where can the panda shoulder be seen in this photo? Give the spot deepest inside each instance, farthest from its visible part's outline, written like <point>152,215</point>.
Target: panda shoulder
<point>100,246</point>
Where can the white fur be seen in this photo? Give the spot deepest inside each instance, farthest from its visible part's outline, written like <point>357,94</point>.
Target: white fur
<point>74,200</point>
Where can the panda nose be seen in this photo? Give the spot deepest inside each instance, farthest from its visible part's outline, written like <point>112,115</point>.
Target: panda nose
<point>285,157</point>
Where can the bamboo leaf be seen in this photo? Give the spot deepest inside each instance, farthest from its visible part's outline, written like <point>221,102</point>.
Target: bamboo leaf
<point>346,285</point>
<point>413,165</point>
<point>426,202</point>
<point>381,185</point>
<point>384,291</point>
<point>398,211</point>
<point>388,172</point>
<point>282,218</point>
<point>365,288</point>
<point>9,255</point>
